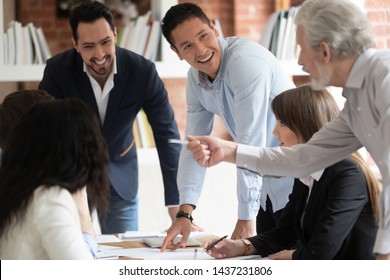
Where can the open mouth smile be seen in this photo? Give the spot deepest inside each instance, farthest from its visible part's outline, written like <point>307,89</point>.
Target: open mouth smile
<point>206,59</point>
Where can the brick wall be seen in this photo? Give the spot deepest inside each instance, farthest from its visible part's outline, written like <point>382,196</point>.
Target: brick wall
<point>378,12</point>
<point>238,17</point>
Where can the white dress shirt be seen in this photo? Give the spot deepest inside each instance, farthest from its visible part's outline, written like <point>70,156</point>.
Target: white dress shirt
<point>309,182</point>
<point>102,95</point>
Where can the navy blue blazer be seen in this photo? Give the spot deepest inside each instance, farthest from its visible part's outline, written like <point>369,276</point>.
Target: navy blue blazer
<point>136,85</point>
<point>338,221</point>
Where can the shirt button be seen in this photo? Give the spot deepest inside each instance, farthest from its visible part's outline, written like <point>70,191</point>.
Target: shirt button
<point>245,165</point>
<point>359,109</point>
<point>369,135</point>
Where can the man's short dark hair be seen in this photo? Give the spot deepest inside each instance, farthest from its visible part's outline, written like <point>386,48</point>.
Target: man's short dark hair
<point>89,12</point>
<point>178,14</point>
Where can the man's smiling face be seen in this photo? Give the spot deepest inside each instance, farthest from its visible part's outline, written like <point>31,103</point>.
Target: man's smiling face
<point>197,43</point>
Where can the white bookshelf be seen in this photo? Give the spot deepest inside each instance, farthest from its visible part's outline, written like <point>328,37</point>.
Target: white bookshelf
<point>169,67</point>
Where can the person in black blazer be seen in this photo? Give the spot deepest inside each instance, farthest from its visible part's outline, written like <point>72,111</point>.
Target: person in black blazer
<point>116,83</point>
<point>331,214</point>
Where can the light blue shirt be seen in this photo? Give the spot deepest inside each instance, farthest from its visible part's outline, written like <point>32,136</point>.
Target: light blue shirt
<point>91,244</point>
<point>364,120</point>
<point>248,79</point>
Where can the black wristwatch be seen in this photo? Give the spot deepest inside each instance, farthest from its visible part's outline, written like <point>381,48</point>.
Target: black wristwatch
<point>182,214</point>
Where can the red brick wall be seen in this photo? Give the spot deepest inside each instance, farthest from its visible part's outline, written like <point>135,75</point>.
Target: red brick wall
<point>378,12</point>
<point>238,17</point>
<point>250,17</point>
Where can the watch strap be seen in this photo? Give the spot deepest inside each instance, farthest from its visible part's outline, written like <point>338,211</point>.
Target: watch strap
<point>247,244</point>
<point>182,214</point>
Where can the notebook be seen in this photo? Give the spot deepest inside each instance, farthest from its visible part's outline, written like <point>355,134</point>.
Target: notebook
<point>156,242</point>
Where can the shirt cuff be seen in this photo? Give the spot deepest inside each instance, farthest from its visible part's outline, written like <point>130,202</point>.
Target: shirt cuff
<point>91,244</point>
<point>171,206</point>
<point>382,242</point>
<point>248,211</point>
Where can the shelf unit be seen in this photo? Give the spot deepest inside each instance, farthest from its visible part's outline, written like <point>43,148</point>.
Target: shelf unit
<point>169,67</point>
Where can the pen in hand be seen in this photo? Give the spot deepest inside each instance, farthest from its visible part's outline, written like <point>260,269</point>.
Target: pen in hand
<point>182,142</point>
<point>178,141</point>
<point>214,243</point>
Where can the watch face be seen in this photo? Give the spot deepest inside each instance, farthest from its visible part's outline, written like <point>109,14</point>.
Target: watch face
<point>247,246</point>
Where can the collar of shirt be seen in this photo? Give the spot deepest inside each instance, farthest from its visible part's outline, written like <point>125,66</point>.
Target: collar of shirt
<point>360,69</point>
<point>309,181</point>
<point>101,96</point>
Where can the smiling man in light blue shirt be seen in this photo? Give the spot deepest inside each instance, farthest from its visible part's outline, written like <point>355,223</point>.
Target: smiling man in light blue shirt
<point>237,80</point>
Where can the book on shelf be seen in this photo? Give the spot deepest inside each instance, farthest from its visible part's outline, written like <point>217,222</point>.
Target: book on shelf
<point>153,41</point>
<point>141,35</point>
<point>279,34</point>
<point>141,46</point>
<point>137,32</point>
<point>46,54</point>
<point>36,46</point>
<point>19,48</point>
<point>25,45</point>
<point>145,130</point>
<point>125,32</point>
<point>11,46</point>
<point>5,48</point>
<point>137,137</point>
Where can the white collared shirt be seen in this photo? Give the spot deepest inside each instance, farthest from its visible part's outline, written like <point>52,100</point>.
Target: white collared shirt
<point>101,96</point>
<point>309,181</point>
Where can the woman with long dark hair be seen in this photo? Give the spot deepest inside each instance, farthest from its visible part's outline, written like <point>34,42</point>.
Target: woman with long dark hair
<point>49,160</point>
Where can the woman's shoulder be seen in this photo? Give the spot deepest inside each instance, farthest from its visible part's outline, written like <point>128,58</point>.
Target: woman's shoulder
<point>346,167</point>
<point>44,191</point>
<point>46,196</point>
<point>347,162</point>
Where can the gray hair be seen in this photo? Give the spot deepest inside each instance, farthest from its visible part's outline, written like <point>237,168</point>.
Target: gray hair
<point>340,23</point>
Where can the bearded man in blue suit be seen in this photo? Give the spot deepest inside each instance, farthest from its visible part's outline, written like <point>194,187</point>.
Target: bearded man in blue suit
<point>116,83</point>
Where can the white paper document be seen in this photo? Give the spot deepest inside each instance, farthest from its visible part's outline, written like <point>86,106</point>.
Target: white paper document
<point>134,235</point>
